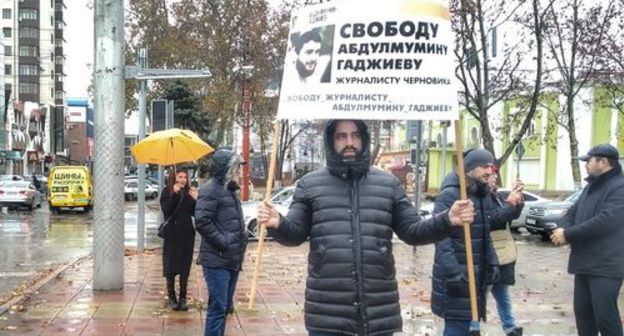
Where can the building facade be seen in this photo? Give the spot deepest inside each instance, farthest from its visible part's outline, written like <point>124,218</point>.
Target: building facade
<point>33,76</point>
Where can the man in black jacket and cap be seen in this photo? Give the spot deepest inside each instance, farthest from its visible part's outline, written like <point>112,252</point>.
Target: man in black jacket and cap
<point>350,212</point>
<point>450,297</point>
<point>594,228</point>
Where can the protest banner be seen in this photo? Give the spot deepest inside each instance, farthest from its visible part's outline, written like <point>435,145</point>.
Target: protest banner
<point>370,59</point>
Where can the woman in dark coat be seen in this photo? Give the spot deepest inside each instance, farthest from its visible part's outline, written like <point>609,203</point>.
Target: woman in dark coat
<point>178,200</point>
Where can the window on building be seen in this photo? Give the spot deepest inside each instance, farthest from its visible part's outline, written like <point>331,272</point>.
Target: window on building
<point>60,95</point>
<point>6,13</point>
<point>29,32</point>
<point>52,77</point>
<point>28,88</point>
<point>8,50</point>
<point>7,89</point>
<point>51,57</point>
<point>7,31</point>
<point>60,25</point>
<point>8,69</point>
<point>58,60</point>
<point>29,51</point>
<point>531,131</point>
<point>29,70</point>
<point>52,21</point>
<point>28,14</point>
<point>58,43</point>
<point>59,78</point>
<point>474,137</point>
<point>52,93</point>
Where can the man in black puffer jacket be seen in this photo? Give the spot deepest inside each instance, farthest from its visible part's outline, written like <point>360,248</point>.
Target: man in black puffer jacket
<point>450,297</point>
<point>219,220</point>
<point>594,228</point>
<point>350,212</point>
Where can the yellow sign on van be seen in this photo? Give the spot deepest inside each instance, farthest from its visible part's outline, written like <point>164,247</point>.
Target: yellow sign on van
<point>70,187</point>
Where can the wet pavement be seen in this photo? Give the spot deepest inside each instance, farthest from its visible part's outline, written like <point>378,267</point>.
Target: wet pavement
<point>33,244</point>
<point>67,305</point>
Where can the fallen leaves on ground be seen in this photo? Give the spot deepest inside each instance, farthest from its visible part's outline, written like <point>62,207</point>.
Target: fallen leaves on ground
<point>23,288</point>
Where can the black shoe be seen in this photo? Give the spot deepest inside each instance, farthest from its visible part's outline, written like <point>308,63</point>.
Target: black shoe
<point>182,304</point>
<point>173,302</point>
<point>516,332</point>
<point>229,311</point>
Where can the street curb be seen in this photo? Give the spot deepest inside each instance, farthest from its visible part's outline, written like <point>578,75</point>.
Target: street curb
<point>35,287</point>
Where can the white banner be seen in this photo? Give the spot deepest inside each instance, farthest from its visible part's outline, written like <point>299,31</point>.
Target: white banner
<point>370,59</point>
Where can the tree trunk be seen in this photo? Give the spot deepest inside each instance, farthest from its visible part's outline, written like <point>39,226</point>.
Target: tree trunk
<point>576,171</point>
<point>376,141</point>
<point>488,140</point>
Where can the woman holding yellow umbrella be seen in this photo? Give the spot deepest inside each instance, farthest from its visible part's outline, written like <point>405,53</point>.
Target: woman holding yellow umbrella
<point>177,202</point>
<point>170,147</point>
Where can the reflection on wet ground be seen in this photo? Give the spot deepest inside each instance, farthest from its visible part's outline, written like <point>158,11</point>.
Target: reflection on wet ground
<point>39,241</point>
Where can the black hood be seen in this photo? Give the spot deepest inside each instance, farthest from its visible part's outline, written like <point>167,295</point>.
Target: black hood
<point>221,164</point>
<point>336,164</point>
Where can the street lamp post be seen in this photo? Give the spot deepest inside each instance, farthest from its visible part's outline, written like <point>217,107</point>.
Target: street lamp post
<point>247,72</point>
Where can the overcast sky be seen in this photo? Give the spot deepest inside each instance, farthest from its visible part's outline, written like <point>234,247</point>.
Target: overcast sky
<point>78,47</point>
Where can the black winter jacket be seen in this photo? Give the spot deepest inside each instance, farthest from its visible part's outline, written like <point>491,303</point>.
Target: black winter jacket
<point>594,227</point>
<point>350,215</point>
<point>451,300</point>
<point>219,218</point>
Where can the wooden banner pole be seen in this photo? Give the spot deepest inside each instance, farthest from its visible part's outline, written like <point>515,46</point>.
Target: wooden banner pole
<point>474,326</point>
<point>267,200</point>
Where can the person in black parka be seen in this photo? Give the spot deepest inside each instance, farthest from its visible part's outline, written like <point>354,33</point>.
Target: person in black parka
<point>450,297</point>
<point>219,220</point>
<point>177,200</point>
<point>594,228</point>
<point>351,211</point>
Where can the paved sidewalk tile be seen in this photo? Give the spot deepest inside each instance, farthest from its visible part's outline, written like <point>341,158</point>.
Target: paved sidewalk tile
<point>68,305</point>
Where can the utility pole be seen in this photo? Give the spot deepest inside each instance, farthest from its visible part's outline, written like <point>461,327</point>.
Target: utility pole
<point>142,63</point>
<point>445,125</point>
<point>108,231</point>
<point>416,158</point>
<point>246,110</point>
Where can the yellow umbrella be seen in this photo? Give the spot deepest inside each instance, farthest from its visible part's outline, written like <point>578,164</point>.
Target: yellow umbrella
<point>170,147</point>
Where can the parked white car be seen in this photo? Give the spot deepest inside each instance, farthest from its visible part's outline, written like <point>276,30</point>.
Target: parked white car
<point>19,193</point>
<point>131,189</point>
<point>530,199</point>
<point>281,199</point>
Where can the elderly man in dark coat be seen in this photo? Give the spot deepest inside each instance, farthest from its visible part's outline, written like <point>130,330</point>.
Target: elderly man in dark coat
<point>450,296</point>
<point>594,228</point>
<point>350,212</point>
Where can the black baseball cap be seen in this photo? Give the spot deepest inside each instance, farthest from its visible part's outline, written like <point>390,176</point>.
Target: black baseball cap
<point>602,150</point>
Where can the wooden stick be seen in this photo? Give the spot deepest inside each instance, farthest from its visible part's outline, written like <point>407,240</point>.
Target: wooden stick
<point>468,240</point>
<point>267,200</point>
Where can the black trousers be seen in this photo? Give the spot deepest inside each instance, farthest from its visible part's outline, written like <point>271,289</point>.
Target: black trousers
<point>596,306</point>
